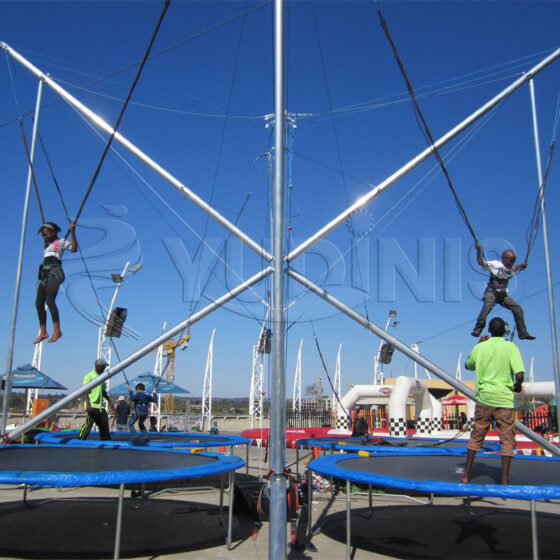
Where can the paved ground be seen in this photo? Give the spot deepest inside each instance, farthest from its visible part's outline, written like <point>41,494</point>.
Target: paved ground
<point>185,524</point>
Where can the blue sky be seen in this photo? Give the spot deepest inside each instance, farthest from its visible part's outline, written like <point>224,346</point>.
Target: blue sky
<point>199,111</point>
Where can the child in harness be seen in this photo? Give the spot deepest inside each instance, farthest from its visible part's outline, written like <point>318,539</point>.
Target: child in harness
<point>142,401</point>
<point>496,291</point>
<point>51,277</point>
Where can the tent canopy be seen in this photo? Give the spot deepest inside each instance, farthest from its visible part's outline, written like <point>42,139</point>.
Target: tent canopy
<point>29,377</point>
<point>150,381</point>
<point>454,400</point>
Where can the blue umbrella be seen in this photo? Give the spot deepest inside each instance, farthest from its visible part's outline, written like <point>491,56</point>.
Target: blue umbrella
<point>150,381</point>
<point>29,377</point>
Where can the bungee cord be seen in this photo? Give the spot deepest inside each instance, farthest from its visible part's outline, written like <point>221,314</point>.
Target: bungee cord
<point>424,127</point>
<point>121,114</point>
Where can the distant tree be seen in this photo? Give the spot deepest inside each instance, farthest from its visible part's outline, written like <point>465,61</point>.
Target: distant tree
<point>314,391</point>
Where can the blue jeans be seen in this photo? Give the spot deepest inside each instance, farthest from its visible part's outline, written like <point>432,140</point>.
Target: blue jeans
<point>491,298</point>
<point>141,419</point>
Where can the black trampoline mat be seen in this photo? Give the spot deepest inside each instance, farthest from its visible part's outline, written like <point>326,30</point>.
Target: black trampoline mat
<point>394,442</point>
<point>171,437</point>
<point>445,468</point>
<point>94,459</point>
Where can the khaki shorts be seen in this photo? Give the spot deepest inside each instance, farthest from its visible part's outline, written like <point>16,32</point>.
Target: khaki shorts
<point>505,420</point>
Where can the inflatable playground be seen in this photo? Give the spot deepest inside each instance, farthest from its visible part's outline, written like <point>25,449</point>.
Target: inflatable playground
<point>411,411</point>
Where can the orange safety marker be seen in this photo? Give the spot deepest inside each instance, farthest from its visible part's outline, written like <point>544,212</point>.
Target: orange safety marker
<point>316,452</point>
<point>222,448</point>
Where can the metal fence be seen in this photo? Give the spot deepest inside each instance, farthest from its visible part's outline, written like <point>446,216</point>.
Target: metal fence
<point>308,419</point>
<point>538,422</point>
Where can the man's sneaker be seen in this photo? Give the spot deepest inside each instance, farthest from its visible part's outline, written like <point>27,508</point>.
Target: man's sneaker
<point>526,336</point>
<point>477,332</point>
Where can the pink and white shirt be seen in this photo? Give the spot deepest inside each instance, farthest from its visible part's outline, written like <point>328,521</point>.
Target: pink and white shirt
<point>56,248</point>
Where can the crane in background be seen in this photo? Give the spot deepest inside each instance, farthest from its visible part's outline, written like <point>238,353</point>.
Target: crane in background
<point>168,351</point>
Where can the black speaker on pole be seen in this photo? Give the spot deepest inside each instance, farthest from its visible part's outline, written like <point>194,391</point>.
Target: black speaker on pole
<point>386,354</point>
<point>115,322</point>
<point>263,346</point>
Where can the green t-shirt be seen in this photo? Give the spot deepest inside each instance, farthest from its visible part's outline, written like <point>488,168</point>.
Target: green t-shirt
<point>496,361</point>
<point>96,394</point>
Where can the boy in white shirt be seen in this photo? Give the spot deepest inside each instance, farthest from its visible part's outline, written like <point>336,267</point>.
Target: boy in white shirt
<point>497,291</point>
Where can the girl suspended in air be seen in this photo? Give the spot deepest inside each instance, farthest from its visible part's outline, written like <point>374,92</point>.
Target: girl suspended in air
<point>51,277</point>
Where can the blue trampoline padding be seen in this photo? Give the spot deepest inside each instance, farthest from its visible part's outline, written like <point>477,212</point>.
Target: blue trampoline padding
<point>401,444</point>
<point>418,470</point>
<point>156,439</point>
<point>57,465</point>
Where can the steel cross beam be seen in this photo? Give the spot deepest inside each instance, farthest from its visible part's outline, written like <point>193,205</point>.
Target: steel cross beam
<point>391,180</point>
<point>174,182</point>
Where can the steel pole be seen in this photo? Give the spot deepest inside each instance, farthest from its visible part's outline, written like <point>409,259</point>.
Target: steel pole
<point>364,200</point>
<point>135,356</point>
<point>10,358</point>
<point>418,358</point>
<point>277,545</point>
<point>549,282</point>
<point>99,122</point>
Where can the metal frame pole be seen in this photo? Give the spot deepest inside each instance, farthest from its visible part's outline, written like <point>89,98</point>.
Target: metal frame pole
<point>549,282</point>
<point>277,544</point>
<point>534,534</point>
<point>348,520</point>
<point>361,202</point>
<point>118,528</point>
<point>418,358</point>
<point>309,503</point>
<point>102,351</point>
<point>135,356</point>
<point>174,182</point>
<point>230,510</point>
<point>10,358</point>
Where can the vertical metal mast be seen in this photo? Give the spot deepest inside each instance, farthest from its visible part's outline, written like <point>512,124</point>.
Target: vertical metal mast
<point>296,395</point>
<point>336,387</point>
<point>257,384</point>
<point>206,408</point>
<point>277,535</point>
<point>549,284</point>
<point>10,359</point>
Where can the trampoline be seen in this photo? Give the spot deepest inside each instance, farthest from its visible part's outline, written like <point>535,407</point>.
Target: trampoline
<point>436,446</point>
<point>66,466</point>
<point>156,439</point>
<point>531,478</point>
<point>390,444</point>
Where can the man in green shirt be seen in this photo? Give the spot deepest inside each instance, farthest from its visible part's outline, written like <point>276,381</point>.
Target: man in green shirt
<point>96,413</point>
<point>496,361</point>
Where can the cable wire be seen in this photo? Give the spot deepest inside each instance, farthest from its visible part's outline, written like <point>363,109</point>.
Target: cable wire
<point>123,109</point>
<point>424,128</point>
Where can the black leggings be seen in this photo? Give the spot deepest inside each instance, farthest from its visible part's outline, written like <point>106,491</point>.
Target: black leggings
<point>46,293</point>
<point>100,418</point>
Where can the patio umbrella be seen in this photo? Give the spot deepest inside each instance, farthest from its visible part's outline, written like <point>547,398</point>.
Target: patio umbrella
<point>150,381</point>
<point>454,400</point>
<point>29,377</point>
